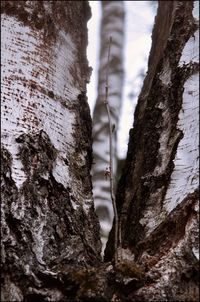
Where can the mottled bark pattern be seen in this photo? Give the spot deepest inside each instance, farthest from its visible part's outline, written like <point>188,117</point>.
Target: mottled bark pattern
<point>158,191</point>
<point>48,220</point>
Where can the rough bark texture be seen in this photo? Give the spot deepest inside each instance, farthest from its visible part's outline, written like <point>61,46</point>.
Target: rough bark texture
<point>50,241</point>
<point>158,192</point>
<point>112,24</point>
<point>47,211</point>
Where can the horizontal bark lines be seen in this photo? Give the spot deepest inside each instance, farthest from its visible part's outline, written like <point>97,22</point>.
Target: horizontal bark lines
<point>47,209</point>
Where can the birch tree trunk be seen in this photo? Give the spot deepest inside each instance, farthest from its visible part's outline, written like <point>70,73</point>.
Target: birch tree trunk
<point>112,24</point>
<point>157,195</point>
<point>47,212</point>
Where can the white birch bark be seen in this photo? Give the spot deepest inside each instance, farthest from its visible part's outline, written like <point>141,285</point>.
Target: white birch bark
<point>185,177</point>
<point>159,186</point>
<point>112,24</point>
<point>47,207</point>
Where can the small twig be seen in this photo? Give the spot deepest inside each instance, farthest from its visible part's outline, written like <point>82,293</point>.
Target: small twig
<point>120,239</point>
<point>111,157</point>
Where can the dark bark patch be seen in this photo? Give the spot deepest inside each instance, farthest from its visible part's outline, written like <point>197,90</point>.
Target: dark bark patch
<point>43,208</point>
<point>58,16</point>
<point>36,152</point>
<point>171,230</point>
<point>83,138</point>
<point>6,161</point>
<point>51,94</point>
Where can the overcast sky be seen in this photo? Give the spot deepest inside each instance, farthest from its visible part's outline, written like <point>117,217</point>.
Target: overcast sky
<point>138,27</point>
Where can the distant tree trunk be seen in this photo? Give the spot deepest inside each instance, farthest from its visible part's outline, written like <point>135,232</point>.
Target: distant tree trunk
<point>157,195</point>
<point>112,24</point>
<point>47,212</point>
